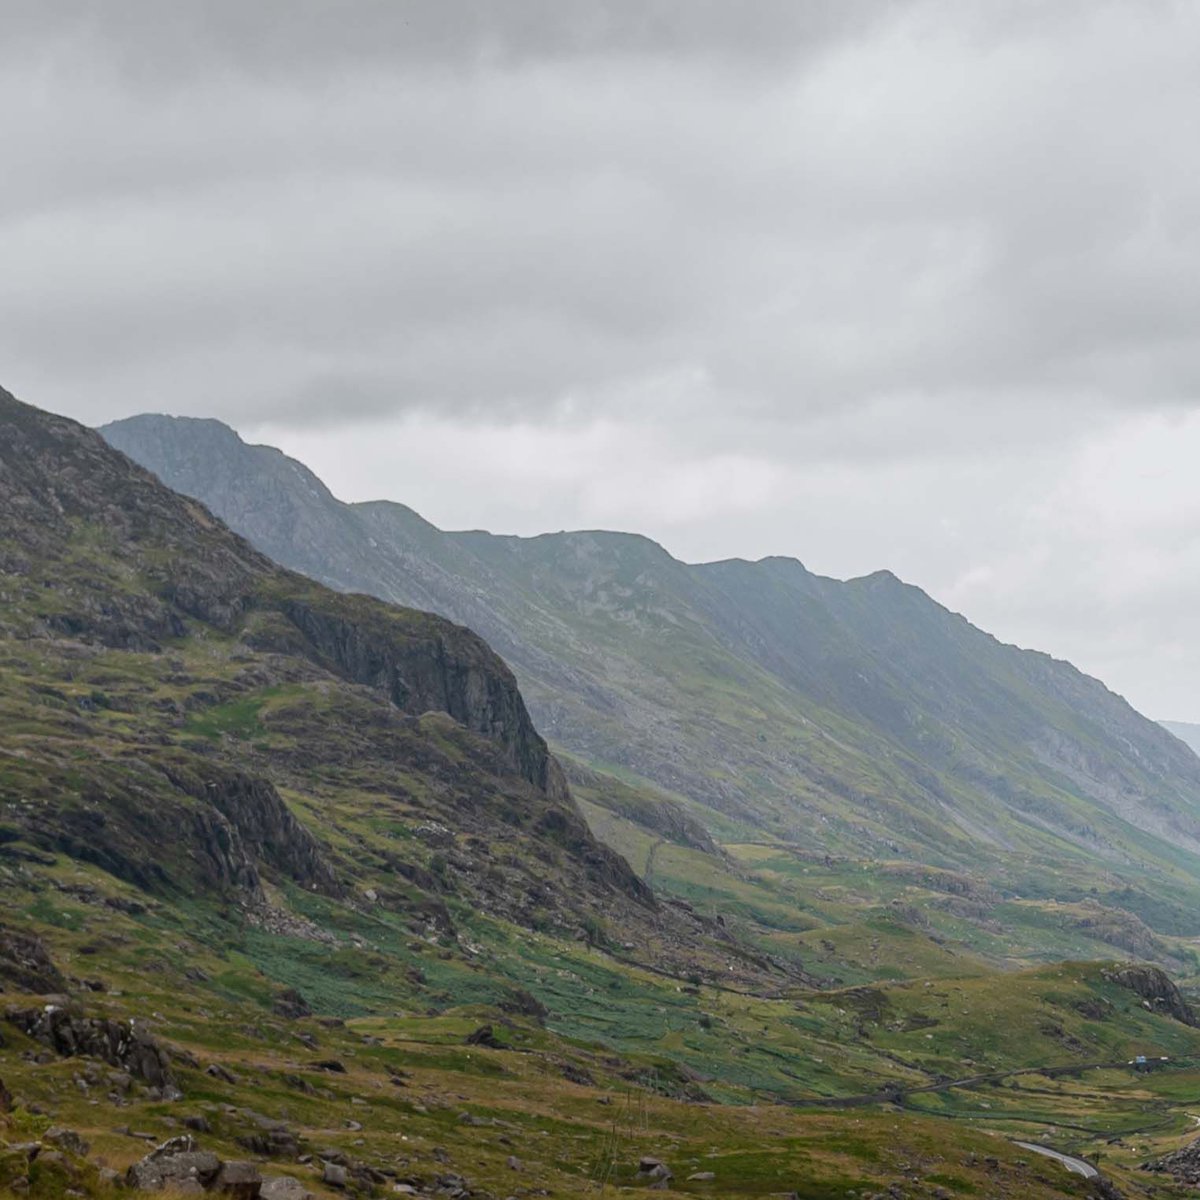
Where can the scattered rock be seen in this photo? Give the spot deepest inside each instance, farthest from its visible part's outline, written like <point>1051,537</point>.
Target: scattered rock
<point>240,1180</point>
<point>335,1175</point>
<point>574,1074</point>
<point>701,1177</point>
<point>271,1143</point>
<point>329,1064</point>
<point>219,1072</point>
<point>1182,1165</point>
<point>174,1163</point>
<point>291,1005</point>
<point>655,1172</point>
<point>485,1035</point>
<point>66,1139</point>
<point>283,1187</point>
<point>522,1003</point>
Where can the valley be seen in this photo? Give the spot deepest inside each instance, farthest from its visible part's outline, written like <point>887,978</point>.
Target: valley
<point>741,703</point>
<point>291,873</point>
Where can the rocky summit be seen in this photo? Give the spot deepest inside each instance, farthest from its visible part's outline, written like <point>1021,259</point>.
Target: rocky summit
<point>296,901</point>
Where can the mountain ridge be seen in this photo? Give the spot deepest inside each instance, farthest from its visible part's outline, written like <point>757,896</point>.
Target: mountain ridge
<point>293,870</point>
<point>113,578</point>
<point>860,716</point>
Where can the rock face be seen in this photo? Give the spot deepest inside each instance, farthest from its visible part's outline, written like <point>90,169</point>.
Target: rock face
<point>119,1043</point>
<point>443,668</point>
<point>265,828</point>
<point>874,707</point>
<point>1156,988</point>
<point>25,964</point>
<point>247,703</point>
<point>54,473</point>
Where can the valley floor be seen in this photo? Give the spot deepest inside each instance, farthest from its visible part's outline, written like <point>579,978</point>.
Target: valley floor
<point>569,1097</point>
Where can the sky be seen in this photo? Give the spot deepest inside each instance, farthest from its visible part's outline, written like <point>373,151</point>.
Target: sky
<point>909,284</point>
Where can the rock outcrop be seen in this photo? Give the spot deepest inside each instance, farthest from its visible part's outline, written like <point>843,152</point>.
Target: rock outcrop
<point>25,963</point>
<point>174,1164</point>
<point>122,1044</point>
<point>1156,989</point>
<point>266,830</point>
<point>435,666</point>
<point>1182,1165</point>
<point>290,739</point>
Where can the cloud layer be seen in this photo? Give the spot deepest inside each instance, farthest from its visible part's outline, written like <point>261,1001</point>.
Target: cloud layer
<point>907,284</point>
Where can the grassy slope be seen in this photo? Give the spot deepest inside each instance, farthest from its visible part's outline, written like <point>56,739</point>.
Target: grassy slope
<point>858,719</point>
<point>709,1056</point>
<point>581,1098</point>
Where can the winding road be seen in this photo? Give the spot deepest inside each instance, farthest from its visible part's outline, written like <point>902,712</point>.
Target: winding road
<point>1075,1165</point>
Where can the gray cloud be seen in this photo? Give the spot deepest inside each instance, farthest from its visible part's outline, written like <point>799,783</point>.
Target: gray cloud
<point>155,43</point>
<point>886,273</point>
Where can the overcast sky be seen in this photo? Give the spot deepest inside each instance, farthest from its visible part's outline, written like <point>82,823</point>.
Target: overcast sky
<point>907,285</point>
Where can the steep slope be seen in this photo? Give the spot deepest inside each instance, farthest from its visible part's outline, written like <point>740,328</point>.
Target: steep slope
<point>860,718</point>
<point>160,674</point>
<point>292,871</point>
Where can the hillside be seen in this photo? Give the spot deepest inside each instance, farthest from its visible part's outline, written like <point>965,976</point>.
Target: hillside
<point>859,719</point>
<point>295,741</point>
<point>289,877</point>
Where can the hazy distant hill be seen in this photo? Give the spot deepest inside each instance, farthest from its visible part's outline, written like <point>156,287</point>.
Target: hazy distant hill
<point>857,717</point>
<point>1185,732</point>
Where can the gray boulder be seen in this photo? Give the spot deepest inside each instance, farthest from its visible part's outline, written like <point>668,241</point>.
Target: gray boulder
<point>176,1162</point>
<point>284,1187</point>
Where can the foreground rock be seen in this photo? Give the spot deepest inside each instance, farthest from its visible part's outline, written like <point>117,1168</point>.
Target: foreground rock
<point>284,1187</point>
<point>179,1165</point>
<point>655,1172</point>
<point>176,1163</point>
<point>1182,1165</point>
<point>121,1044</point>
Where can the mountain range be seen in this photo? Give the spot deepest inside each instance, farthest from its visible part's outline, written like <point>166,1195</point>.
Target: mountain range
<point>858,719</point>
<point>296,901</point>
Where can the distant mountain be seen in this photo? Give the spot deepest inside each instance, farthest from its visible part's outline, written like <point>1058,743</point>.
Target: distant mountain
<point>858,718</point>
<point>1185,732</point>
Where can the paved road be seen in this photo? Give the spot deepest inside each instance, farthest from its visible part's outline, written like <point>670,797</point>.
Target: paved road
<point>1077,1165</point>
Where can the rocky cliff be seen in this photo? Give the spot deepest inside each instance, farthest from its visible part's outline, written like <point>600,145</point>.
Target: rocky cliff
<point>856,717</point>
<point>216,697</point>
